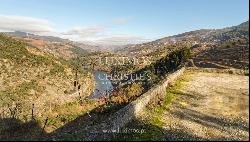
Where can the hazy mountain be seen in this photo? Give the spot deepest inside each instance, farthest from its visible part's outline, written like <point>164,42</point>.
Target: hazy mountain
<point>69,48</point>
<point>85,45</point>
<point>54,45</point>
<point>47,38</point>
<point>203,36</point>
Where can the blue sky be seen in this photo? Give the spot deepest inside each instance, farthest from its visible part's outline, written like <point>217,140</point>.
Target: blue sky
<point>110,20</point>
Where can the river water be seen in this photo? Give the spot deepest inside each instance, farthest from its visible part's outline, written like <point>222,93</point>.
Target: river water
<point>102,85</point>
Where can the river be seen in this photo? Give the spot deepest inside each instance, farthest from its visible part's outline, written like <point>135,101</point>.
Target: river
<point>102,85</point>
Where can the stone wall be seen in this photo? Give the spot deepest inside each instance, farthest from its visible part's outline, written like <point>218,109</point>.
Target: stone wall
<point>113,124</point>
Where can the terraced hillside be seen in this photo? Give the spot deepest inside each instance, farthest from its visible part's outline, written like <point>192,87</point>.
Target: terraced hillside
<point>234,55</point>
<point>203,37</point>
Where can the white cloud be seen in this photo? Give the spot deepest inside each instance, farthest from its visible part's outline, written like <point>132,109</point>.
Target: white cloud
<point>98,34</point>
<point>84,32</point>
<point>121,39</point>
<point>107,39</point>
<point>25,24</point>
<point>101,35</point>
<point>121,20</point>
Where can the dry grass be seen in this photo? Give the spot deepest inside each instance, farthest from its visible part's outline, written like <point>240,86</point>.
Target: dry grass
<point>204,106</point>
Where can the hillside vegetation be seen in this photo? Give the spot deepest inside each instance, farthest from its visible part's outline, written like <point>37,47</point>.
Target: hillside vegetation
<point>204,37</point>
<point>38,82</point>
<point>191,111</point>
<point>46,80</point>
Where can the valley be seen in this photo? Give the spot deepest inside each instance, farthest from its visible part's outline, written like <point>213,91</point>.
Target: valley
<point>53,89</point>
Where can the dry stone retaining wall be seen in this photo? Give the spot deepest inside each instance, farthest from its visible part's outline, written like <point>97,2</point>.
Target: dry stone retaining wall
<point>118,120</point>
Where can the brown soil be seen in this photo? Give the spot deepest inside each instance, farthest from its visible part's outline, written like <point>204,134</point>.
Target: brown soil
<point>212,106</point>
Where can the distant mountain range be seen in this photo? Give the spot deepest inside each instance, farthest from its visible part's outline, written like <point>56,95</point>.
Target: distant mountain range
<point>203,36</point>
<point>54,45</point>
<point>79,46</point>
<point>46,38</point>
<point>68,49</point>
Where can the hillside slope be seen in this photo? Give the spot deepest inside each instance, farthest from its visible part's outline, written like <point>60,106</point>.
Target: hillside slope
<point>54,45</point>
<point>203,37</point>
<point>31,76</point>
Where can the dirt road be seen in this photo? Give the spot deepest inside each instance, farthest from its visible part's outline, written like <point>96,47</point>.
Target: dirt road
<point>207,106</point>
<point>212,106</point>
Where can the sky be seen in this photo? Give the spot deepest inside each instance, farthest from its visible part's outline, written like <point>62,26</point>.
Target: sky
<point>119,21</point>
